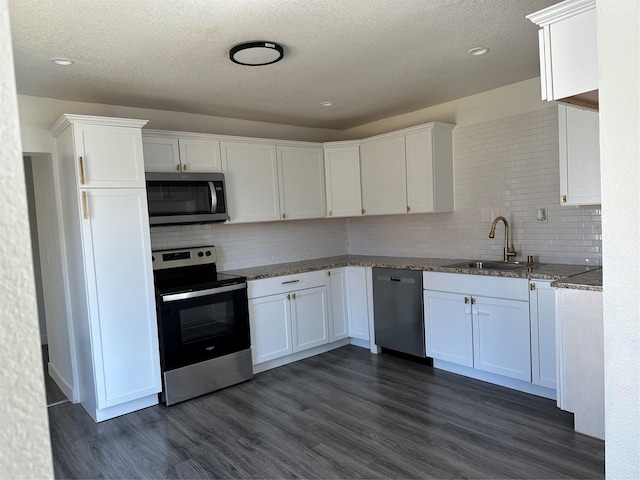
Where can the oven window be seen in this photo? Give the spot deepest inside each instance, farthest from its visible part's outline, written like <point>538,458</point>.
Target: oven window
<point>206,322</point>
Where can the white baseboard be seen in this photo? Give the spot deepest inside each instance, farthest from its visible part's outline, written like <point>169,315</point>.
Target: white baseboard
<point>66,388</point>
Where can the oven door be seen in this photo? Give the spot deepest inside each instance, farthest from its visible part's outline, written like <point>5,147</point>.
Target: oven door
<point>201,325</point>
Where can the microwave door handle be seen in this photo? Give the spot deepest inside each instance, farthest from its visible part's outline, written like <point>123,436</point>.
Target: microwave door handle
<point>214,197</point>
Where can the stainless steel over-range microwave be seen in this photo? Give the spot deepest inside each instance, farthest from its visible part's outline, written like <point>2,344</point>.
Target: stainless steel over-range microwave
<point>179,198</point>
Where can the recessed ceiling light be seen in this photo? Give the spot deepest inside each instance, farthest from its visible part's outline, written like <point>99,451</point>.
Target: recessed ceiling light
<point>64,62</point>
<point>255,54</point>
<point>477,51</point>
<point>326,104</point>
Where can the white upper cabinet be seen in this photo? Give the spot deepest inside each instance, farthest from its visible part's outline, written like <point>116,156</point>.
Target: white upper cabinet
<point>429,158</point>
<point>106,155</point>
<point>384,175</point>
<point>342,174</point>
<point>408,171</point>
<point>568,50</point>
<point>251,177</point>
<point>168,152</point>
<point>579,141</point>
<point>301,182</point>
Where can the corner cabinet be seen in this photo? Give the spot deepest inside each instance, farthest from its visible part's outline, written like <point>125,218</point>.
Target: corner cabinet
<point>408,171</point>
<point>342,174</point>
<point>568,46</point>
<point>105,218</point>
<point>180,152</point>
<point>579,140</point>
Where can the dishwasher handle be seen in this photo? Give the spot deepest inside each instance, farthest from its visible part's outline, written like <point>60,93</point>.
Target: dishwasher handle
<point>388,278</point>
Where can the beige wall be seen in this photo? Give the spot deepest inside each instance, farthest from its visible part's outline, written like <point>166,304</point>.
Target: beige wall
<point>25,450</point>
<point>37,114</point>
<point>619,65</point>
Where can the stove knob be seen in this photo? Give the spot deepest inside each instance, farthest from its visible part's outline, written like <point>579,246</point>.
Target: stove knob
<point>200,254</point>
<point>208,253</point>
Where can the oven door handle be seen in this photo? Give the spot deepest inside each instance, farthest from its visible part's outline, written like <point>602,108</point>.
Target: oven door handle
<point>201,293</point>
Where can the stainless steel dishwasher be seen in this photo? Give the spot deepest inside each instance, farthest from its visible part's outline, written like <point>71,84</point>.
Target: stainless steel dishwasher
<point>397,310</point>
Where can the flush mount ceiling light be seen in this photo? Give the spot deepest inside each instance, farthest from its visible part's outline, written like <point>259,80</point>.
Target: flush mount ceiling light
<point>477,51</point>
<point>255,54</point>
<point>63,62</point>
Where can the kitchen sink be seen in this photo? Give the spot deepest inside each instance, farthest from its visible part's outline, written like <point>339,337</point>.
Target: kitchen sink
<point>488,265</point>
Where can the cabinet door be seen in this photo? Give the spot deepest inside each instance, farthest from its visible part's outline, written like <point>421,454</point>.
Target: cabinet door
<point>161,154</point>
<point>310,325</point>
<point>501,337</point>
<point>111,156</point>
<point>342,174</point>
<point>573,47</point>
<point>122,314</point>
<point>448,327</point>
<point>200,155</point>
<point>579,156</point>
<point>357,302</point>
<point>251,176</point>
<point>542,311</point>
<point>384,177</point>
<point>338,304</point>
<point>270,323</point>
<point>430,170</point>
<point>301,176</point>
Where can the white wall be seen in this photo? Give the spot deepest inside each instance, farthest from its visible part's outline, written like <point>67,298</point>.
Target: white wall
<point>619,77</point>
<point>25,449</point>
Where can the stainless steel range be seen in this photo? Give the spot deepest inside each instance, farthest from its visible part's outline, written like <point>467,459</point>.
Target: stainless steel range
<point>203,320</point>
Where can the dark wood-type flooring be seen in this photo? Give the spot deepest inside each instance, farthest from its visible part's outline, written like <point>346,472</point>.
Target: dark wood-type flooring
<point>343,414</point>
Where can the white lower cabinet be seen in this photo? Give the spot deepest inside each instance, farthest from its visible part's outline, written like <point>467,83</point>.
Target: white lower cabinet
<point>285,320</point>
<point>337,290</point>
<point>448,327</point>
<point>309,318</point>
<point>501,337</point>
<point>357,302</point>
<point>270,327</point>
<point>479,322</point>
<point>542,310</point>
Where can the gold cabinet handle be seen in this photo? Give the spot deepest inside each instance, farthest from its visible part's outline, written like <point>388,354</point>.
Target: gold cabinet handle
<point>290,281</point>
<point>83,179</point>
<point>408,208</point>
<point>563,199</point>
<point>288,296</point>
<point>466,300</point>
<point>284,215</point>
<point>178,167</point>
<point>532,286</point>
<point>294,296</point>
<point>329,273</point>
<point>363,211</point>
<point>473,301</point>
<point>85,205</point>
<point>184,167</point>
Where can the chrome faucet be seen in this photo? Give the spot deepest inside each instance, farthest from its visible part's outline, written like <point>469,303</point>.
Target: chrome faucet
<point>508,252</point>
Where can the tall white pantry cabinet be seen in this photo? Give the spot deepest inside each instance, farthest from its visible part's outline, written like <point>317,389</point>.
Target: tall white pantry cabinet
<point>108,256</point>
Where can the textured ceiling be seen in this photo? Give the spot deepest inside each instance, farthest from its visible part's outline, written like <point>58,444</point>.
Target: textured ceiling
<point>371,58</point>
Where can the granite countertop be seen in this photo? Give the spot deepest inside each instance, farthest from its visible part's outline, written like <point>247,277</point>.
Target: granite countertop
<point>582,276</point>
<point>591,280</point>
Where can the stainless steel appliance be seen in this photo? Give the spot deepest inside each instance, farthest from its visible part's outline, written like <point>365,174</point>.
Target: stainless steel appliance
<point>203,320</point>
<point>397,310</point>
<point>179,198</point>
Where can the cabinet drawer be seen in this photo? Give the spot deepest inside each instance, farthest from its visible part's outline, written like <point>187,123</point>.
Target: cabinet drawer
<point>286,283</point>
<point>481,285</point>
